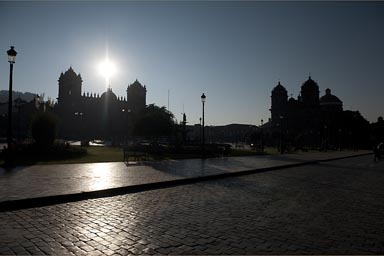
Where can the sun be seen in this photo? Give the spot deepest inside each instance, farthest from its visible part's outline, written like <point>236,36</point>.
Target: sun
<point>107,69</point>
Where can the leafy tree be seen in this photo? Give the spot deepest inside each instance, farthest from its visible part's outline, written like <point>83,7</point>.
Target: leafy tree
<point>154,122</point>
<point>43,128</point>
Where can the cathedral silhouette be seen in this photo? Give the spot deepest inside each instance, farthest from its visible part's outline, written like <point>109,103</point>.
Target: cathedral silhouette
<point>311,120</point>
<point>90,115</point>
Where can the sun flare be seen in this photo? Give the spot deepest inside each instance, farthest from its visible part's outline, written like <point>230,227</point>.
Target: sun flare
<point>107,69</point>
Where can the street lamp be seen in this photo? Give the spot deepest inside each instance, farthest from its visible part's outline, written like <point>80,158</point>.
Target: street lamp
<point>325,137</point>
<point>200,131</point>
<point>281,134</point>
<point>203,141</point>
<point>262,142</point>
<point>11,59</point>
<point>19,103</point>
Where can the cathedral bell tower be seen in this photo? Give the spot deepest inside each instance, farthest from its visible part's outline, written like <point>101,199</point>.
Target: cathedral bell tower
<point>69,87</point>
<point>136,97</point>
<point>310,93</point>
<point>279,102</point>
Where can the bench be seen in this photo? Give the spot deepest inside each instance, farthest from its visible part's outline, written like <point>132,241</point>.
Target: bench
<point>134,156</point>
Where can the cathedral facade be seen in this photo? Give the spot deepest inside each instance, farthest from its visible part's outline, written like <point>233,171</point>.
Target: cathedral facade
<point>93,116</point>
<point>310,120</point>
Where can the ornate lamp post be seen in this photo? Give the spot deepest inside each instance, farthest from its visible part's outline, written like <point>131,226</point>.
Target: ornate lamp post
<point>261,135</point>
<point>19,103</point>
<point>11,59</point>
<point>325,137</point>
<point>200,139</point>
<point>203,140</point>
<point>281,134</point>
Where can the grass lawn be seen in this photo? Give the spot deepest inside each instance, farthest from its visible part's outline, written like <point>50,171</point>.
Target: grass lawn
<point>250,152</point>
<point>94,155</point>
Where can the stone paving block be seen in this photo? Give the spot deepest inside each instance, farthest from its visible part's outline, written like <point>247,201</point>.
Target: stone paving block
<point>94,253</point>
<point>147,251</point>
<point>113,247</point>
<point>211,251</point>
<point>135,251</point>
<point>86,248</point>
<point>163,250</point>
<point>6,251</point>
<point>104,242</point>
<point>67,244</point>
<point>100,247</point>
<point>151,245</point>
<point>108,252</point>
<point>33,250</point>
<point>75,249</point>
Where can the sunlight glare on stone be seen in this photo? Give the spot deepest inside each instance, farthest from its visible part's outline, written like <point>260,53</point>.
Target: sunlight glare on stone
<point>101,177</point>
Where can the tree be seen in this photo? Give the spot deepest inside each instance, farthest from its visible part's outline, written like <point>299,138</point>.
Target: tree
<point>154,122</point>
<point>43,128</point>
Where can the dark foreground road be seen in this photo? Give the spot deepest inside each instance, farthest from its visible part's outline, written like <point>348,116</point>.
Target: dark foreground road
<point>330,208</point>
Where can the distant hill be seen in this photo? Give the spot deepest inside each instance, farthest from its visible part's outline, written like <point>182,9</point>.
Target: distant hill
<point>27,96</point>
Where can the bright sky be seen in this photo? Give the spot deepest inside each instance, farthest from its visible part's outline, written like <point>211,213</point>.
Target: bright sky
<point>234,52</point>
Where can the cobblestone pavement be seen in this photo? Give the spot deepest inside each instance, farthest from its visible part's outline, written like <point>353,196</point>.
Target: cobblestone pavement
<point>329,208</point>
<point>47,180</point>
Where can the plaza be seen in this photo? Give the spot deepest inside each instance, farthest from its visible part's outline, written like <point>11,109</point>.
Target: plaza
<point>318,207</point>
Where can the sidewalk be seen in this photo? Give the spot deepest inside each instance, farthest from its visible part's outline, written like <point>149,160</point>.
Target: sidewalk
<point>34,183</point>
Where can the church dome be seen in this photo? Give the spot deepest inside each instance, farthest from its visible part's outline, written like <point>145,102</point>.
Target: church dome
<point>108,96</point>
<point>279,88</point>
<point>310,84</point>
<point>328,98</point>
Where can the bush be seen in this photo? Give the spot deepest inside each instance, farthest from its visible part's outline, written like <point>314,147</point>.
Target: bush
<point>43,129</point>
<point>154,123</point>
<point>26,154</point>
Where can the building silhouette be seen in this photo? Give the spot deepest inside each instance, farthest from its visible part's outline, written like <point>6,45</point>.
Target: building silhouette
<point>312,121</point>
<point>308,121</point>
<point>90,115</point>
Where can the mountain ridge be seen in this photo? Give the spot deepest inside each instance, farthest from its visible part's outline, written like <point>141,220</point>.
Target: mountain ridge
<point>27,96</point>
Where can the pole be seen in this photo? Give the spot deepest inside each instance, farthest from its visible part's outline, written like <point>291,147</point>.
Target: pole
<point>261,136</point>
<point>203,142</point>
<point>9,138</point>
<point>18,122</point>
<point>200,138</point>
<point>203,134</point>
<point>168,100</point>
<point>281,136</point>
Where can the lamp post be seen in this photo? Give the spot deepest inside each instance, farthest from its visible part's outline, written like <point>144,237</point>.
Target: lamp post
<point>281,134</point>
<point>261,135</point>
<point>203,140</point>
<point>200,139</point>
<point>325,138</point>
<point>11,59</point>
<point>19,103</point>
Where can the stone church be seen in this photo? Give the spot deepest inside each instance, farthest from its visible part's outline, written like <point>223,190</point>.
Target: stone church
<point>93,116</point>
<point>310,120</point>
